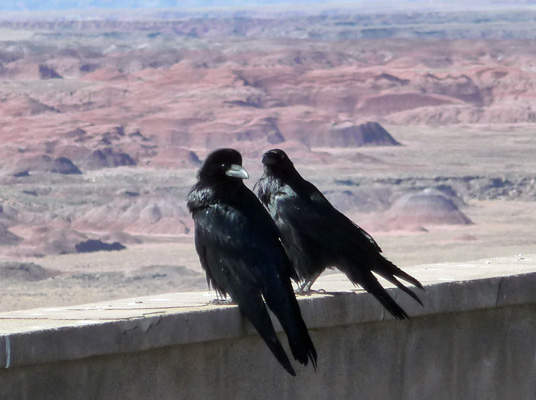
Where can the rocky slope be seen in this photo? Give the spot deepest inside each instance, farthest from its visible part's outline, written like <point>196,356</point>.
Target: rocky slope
<point>134,94</point>
<point>104,124</point>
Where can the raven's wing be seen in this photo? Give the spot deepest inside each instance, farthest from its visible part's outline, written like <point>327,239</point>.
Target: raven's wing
<point>228,253</point>
<point>244,258</point>
<point>308,211</point>
<point>303,210</point>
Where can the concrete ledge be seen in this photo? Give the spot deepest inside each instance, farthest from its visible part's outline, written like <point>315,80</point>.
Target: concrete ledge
<point>144,327</point>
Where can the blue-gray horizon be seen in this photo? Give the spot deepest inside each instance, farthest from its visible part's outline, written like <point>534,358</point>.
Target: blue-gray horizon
<point>89,5</point>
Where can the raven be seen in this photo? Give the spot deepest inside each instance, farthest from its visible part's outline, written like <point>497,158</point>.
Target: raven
<point>239,248</point>
<point>316,236</point>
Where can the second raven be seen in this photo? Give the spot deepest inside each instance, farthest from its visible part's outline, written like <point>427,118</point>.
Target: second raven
<point>239,249</point>
<point>317,236</point>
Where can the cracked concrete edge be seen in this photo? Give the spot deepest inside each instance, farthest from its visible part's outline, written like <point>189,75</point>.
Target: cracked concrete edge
<point>70,339</point>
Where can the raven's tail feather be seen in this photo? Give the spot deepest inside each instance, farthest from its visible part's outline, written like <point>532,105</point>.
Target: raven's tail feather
<point>386,268</point>
<point>401,286</point>
<point>371,284</point>
<point>304,350</point>
<point>289,315</point>
<point>390,272</point>
<point>255,311</point>
<point>277,350</point>
<point>300,342</point>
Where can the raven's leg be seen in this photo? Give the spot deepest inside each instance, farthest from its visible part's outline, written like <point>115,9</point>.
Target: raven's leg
<point>305,287</point>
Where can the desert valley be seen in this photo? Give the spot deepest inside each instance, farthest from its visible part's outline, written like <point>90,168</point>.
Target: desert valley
<point>419,126</point>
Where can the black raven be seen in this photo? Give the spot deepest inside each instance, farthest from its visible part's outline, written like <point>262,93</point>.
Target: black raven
<point>239,248</point>
<point>317,236</point>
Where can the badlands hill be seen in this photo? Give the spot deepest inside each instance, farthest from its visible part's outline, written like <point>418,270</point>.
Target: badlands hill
<point>84,96</point>
<point>407,126</point>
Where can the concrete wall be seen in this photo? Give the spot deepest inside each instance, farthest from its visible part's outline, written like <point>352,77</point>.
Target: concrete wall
<point>474,339</point>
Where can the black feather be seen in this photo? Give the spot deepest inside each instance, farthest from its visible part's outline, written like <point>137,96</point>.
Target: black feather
<point>316,236</point>
<point>240,250</point>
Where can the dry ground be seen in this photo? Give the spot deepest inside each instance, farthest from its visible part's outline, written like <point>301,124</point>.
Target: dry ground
<point>503,220</point>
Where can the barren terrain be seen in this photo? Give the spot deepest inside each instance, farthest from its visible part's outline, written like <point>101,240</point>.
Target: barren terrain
<point>425,140</point>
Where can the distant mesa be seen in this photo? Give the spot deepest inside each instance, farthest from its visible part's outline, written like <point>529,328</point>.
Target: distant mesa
<point>23,271</point>
<point>62,165</point>
<point>344,200</point>
<point>428,207</point>
<point>151,214</point>
<point>46,240</point>
<point>27,69</point>
<point>92,245</point>
<point>351,135</point>
<point>113,135</point>
<point>24,106</point>
<point>8,214</point>
<point>46,72</point>
<point>79,154</point>
<point>89,67</point>
<point>7,238</point>
<point>265,129</point>
<point>175,157</point>
<point>164,214</point>
<point>108,158</point>
<point>44,163</point>
<point>77,134</point>
<point>385,104</point>
<point>108,149</point>
<point>460,87</point>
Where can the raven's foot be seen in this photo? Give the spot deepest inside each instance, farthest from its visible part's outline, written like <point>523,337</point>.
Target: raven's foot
<point>221,302</point>
<point>309,292</point>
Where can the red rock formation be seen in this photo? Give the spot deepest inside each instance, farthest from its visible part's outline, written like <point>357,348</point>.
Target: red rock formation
<point>162,215</point>
<point>352,135</point>
<point>423,209</point>
<point>43,163</point>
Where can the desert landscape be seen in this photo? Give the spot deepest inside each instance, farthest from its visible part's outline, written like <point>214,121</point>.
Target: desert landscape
<point>419,126</point>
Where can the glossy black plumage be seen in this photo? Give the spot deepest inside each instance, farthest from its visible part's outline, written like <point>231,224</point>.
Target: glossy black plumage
<point>239,248</point>
<point>317,236</point>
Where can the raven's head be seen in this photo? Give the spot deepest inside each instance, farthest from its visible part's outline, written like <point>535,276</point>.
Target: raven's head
<point>276,161</point>
<point>223,164</point>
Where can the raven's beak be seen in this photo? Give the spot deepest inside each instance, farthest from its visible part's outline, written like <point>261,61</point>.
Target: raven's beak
<point>237,171</point>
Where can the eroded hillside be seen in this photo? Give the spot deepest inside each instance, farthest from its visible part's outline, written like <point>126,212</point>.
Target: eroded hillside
<point>421,137</point>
